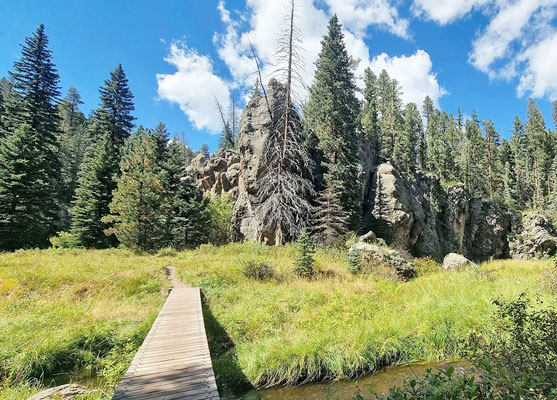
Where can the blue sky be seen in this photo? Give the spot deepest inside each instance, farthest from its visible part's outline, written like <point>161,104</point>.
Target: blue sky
<point>179,55</point>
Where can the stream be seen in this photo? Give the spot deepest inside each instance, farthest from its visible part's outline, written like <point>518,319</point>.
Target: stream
<point>367,385</point>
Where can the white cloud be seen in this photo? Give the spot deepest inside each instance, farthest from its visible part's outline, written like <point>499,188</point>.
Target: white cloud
<point>195,84</point>
<point>540,75</point>
<point>416,85</point>
<point>194,87</point>
<point>358,15</point>
<point>446,11</point>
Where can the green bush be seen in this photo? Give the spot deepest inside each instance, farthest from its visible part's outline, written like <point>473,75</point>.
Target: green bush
<point>257,270</point>
<point>354,260</point>
<point>518,362</point>
<point>303,261</point>
<point>220,212</point>
<point>63,240</point>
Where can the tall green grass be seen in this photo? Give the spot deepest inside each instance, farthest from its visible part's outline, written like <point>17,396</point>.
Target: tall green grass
<point>65,309</point>
<point>291,330</point>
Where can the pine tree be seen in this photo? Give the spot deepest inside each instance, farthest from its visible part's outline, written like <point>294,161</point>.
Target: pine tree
<point>32,102</point>
<point>74,141</point>
<point>204,149</point>
<point>427,109</point>
<point>492,139</point>
<point>135,210</point>
<point>332,113</point>
<point>370,115</point>
<point>186,218</point>
<point>94,194</point>
<point>303,261</point>
<point>510,181</point>
<point>438,149</point>
<point>391,114</point>
<point>475,159</point>
<point>405,154</point>
<point>536,138</point>
<point>523,168</point>
<point>114,113</point>
<point>27,211</point>
<point>330,219</point>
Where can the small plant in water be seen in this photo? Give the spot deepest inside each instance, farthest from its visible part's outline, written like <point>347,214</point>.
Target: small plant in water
<point>354,260</point>
<point>303,261</point>
<point>257,270</point>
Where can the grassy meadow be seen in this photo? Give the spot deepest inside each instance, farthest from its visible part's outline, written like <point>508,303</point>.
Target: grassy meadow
<point>62,310</point>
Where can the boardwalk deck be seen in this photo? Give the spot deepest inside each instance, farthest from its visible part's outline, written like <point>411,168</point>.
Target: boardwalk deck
<point>174,361</point>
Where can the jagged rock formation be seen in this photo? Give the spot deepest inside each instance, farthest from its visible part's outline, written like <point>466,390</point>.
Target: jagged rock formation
<point>417,214</point>
<point>456,261</point>
<point>217,174</point>
<point>534,237</point>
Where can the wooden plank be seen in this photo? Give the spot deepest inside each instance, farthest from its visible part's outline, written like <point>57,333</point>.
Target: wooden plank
<point>174,360</point>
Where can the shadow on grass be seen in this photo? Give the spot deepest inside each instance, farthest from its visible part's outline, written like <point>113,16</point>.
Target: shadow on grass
<point>231,381</point>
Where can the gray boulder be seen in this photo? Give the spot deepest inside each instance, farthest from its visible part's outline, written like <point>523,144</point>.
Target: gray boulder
<point>372,253</point>
<point>68,391</point>
<point>534,238</point>
<point>456,261</point>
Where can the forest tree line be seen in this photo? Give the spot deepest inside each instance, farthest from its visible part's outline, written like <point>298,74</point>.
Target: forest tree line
<point>101,183</point>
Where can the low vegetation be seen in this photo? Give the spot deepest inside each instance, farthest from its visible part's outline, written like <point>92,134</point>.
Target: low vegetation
<point>64,310</point>
<point>288,330</point>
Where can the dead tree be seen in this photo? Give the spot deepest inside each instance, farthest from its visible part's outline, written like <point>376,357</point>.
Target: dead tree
<point>285,185</point>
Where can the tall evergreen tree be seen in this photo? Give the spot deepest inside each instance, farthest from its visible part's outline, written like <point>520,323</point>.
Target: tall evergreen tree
<point>332,114</point>
<point>135,210</point>
<point>370,115</point>
<point>186,220</point>
<point>391,115</point>
<point>27,211</point>
<point>35,91</point>
<point>475,159</point>
<point>405,154</point>
<point>536,135</point>
<point>74,141</point>
<point>94,194</point>
<point>427,109</point>
<point>523,168</point>
<point>492,139</point>
<point>114,115</point>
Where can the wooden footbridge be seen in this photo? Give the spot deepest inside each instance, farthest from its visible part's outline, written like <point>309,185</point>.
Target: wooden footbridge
<point>174,361</point>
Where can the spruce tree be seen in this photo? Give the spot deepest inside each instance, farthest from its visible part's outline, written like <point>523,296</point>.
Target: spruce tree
<point>475,159</point>
<point>94,194</point>
<point>114,113</point>
<point>204,149</point>
<point>523,168</point>
<point>492,139</point>
<point>32,102</point>
<point>74,141</point>
<point>135,210</point>
<point>536,137</point>
<point>186,217</point>
<point>330,219</point>
<point>405,154</point>
<point>391,119</point>
<point>427,109</point>
<point>27,211</point>
<point>509,176</point>
<point>332,113</point>
<point>370,115</point>
<point>303,261</point>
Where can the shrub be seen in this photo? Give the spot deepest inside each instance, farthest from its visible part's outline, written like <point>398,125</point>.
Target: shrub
<point>518,362</point>
<point>167,252</point>
<point>220,211</point>
<point>548,280</point>
<point>63,240</point>
<point>257,270</point>
<point>303,261</point>
<point>354,260</point>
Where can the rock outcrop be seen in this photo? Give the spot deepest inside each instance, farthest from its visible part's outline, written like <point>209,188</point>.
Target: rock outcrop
<point>69,391</point>
<point>418,214</point>
<point>456,261</point>
<point>217,174</point>
<point>373,254</point>
<point>534,237</point>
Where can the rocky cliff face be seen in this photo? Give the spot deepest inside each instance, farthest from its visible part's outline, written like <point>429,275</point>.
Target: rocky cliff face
<point>417,214</point>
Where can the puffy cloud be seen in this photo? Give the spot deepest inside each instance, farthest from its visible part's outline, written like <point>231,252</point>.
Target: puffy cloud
<point>540,75</point>
<point>416,85</point>
<point>358,15</point>
<point>194,87</point>
<point>446,11</point>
